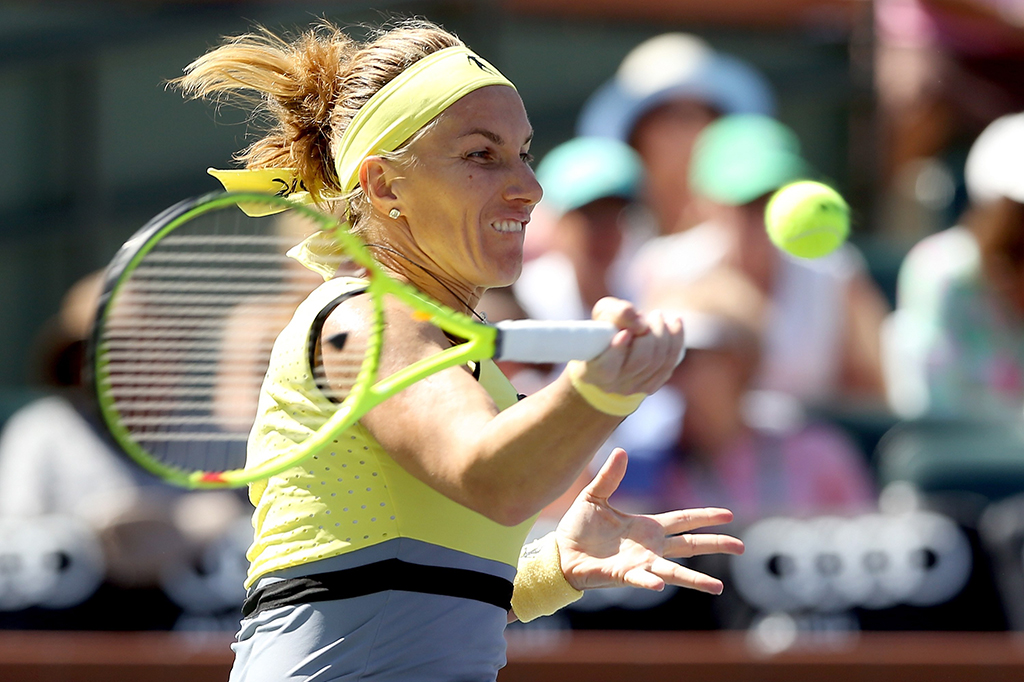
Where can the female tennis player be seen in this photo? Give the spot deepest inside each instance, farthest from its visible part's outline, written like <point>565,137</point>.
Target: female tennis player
<point>392,553</point>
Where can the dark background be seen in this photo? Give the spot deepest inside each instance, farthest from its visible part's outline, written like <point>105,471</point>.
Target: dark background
<point>94,142</point>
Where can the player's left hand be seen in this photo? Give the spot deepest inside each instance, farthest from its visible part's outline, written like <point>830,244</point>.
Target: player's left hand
<point>603,547</point>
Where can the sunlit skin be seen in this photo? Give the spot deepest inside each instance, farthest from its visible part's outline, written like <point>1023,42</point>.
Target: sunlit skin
<point>471,176</point>
<point>464,199</point>
<point>445,212</point>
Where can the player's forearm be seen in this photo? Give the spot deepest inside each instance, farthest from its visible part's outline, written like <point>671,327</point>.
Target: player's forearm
<point>529,454</point>
<point>506,465</point>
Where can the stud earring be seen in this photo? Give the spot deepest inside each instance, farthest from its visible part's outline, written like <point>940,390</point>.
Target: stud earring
<point>394,213</point>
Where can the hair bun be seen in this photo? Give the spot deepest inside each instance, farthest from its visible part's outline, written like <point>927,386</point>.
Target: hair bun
<point>309,88</point>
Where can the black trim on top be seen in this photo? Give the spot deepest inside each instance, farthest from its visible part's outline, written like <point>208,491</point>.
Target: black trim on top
<point>317,328</point>
<point>381,576</point>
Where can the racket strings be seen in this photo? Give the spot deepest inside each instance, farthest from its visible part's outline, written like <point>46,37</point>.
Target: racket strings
<point>189,333</point>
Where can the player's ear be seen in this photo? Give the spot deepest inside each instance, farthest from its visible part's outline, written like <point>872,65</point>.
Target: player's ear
<point>376,176</point>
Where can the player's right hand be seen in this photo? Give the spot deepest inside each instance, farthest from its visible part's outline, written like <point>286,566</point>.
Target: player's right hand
<point>642,355</point>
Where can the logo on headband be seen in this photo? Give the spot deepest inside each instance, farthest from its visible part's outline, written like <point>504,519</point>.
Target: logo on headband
<point>480,64</point>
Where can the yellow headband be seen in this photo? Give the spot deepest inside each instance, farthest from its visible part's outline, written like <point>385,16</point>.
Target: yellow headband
<point>413,99</point>
<point>389,118</point>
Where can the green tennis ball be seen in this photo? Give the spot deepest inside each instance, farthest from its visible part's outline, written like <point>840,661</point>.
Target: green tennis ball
<point>807,219</point>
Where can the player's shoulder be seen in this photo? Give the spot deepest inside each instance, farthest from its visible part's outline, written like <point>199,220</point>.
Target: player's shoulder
<point>329,295</point>
<point>405,331</point>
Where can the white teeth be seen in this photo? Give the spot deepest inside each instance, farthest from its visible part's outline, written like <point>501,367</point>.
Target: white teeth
<point>508,226</point>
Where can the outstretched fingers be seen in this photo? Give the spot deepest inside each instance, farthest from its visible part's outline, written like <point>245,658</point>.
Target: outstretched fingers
<point>670,573</point>
<point>685,520</point>
<point>644,578</point>
<point>698,544</point>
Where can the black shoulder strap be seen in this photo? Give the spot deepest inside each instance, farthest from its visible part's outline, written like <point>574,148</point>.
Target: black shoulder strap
<point>317,328</point>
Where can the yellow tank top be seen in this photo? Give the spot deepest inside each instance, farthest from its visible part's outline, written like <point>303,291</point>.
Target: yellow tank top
<point>351,494</point>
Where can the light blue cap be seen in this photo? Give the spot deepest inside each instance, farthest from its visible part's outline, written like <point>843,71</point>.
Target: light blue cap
<point>670,67</point>
<point>740,158</point>
<point>586,169</point>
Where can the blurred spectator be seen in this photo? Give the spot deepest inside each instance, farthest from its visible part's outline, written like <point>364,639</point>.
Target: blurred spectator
<point>732,451</point>
<point>588,184</point>
<point>821,339</point>
<point>88,506</point>
<point>943,69</point>
<point>955,345</point>
<point>258,320</point>
<point>52,458</point>
<point>663,94</point>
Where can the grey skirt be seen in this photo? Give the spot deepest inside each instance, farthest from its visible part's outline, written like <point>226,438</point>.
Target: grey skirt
<point>380,637</point>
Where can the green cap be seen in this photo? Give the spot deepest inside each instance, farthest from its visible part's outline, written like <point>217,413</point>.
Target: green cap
<point>740,158</point>
<point>586,169</point>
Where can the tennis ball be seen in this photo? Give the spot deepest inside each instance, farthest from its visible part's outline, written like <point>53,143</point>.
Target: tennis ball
<point>807,219</point>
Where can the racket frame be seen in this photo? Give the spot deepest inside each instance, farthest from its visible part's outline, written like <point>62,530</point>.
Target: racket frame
<point>481,341</point>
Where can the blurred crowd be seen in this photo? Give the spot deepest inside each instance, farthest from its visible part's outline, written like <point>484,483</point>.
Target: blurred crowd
<point>661,200</point>
<point>794,367</point>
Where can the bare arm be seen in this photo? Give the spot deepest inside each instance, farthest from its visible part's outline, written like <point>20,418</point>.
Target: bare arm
<point>446,430</point>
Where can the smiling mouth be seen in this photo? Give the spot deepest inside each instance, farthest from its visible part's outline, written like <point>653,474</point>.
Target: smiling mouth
<point>510,226</point>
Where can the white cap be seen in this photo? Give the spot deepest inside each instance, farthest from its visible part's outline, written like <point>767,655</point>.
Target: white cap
<point>663,62</point>
<point>669,67</point>
<point>995,164</point>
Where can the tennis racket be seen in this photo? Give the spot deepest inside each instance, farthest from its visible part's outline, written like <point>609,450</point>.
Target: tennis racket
<point>190,310</point>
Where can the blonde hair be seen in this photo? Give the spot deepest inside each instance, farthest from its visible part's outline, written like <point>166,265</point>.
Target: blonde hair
<point>311,88</point>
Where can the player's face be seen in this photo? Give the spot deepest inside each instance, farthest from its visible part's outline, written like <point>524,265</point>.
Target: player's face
<point>469,193</point>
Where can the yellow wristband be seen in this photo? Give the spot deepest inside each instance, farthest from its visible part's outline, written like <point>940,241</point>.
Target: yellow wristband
<point>615,404</point>
<point>540,587</point>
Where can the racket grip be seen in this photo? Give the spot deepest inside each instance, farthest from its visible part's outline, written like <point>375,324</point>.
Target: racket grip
<point>535,341</point>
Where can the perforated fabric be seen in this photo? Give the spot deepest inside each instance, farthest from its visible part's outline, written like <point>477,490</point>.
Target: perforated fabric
<point>350,494</point>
